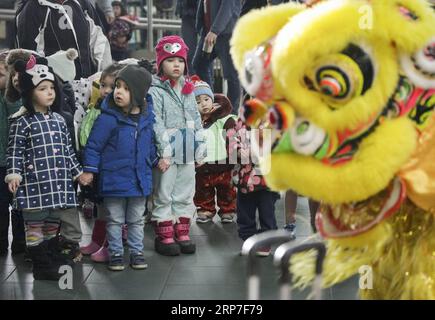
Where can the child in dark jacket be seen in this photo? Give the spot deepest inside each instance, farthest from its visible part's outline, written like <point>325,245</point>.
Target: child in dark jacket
<point>121,31</point>
<point>121,150</point>
<point>7,109</point>
<point>62,63</point>
<point>213,178</point>
<point>41,165</point>
<point>253,193</point>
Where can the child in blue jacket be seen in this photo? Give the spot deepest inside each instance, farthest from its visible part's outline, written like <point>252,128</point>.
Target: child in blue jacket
<point>121,150</point>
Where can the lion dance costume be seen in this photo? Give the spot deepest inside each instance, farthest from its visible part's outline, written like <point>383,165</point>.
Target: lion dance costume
<point>347,88</point>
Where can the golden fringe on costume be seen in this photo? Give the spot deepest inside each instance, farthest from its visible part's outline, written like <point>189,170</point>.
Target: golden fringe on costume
<point>406,269</point>
<point>401,251</point>
<point>344,257</point>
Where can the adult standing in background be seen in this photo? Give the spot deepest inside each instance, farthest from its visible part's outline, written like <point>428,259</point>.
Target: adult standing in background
<point>47,26</point>
<point>186,10</point>
<point>106,7</point>
<point>248,5</point>
<point>215,21</point>
<point>105,13</point>
<point>10,29</point>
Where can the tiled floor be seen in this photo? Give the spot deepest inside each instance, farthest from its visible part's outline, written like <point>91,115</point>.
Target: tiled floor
<point>215,272</point>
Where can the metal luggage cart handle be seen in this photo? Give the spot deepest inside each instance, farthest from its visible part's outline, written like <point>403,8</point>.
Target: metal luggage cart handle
<point>250,247</point>
<point>282,258</point>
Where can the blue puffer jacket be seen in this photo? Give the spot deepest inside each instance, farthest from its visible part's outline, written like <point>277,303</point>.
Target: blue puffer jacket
<point>122,152</point>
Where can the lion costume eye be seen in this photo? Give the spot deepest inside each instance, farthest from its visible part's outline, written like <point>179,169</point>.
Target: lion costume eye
<point>334,82</point>
<point>256,76</point>
<point>342,76</point>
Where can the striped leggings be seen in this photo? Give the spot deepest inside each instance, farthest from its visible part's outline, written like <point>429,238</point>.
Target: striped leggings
<point>41,225</point>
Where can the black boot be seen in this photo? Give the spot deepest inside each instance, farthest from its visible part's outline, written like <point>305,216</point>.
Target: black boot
<point>43,267</point>
<point>70,250</point>
<point>4,226</point>
<point>55,251</point>
<point>3,249</point>
<point>19,236</point>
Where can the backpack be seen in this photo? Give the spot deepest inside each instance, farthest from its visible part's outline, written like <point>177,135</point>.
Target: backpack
<point>87,124</point>
<point>99,43</point>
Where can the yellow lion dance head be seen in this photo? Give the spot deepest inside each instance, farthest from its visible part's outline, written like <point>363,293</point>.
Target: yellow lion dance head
<point>348,89</point>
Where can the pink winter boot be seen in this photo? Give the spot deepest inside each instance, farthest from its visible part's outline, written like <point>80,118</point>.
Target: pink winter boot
<point>102,255</point>
<point>98,238</point>
<point>164,242</point>
<point>182,229</point>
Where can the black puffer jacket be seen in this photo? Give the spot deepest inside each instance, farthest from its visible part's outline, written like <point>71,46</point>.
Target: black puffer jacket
<point>67,108</point>
<point>58,35</point>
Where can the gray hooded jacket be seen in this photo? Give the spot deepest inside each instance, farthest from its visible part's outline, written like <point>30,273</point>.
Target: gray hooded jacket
<point>178,130</point>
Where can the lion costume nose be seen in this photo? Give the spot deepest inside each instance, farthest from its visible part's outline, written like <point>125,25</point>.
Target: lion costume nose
<point>276,115</point>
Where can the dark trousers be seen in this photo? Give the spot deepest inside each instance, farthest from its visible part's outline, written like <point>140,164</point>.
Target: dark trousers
<point>247,205</point>
<point>215,185</point>
<point>190,37</point>
<point>16,217</point>
<point>249,5</point>
<point>203,66</point>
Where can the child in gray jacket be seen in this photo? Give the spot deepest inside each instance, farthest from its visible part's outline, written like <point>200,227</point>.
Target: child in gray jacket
<point>179,141</point>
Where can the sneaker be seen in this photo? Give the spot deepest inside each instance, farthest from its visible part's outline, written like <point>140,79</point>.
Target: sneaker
<point>137,261</point>
<point>116,262</point>
<point>227,218</point>
<point>291,227</point>
<point>263,252</point>
<point>203,217</point>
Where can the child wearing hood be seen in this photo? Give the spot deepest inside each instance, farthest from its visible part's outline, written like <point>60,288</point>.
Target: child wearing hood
<point>213,178</point>
<point>121,150</point>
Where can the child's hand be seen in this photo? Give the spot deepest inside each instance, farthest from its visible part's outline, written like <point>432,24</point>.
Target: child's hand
<point>13,185</point>
<point>163,164</point>
<point>207,111</point>
<point>86,178</point>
